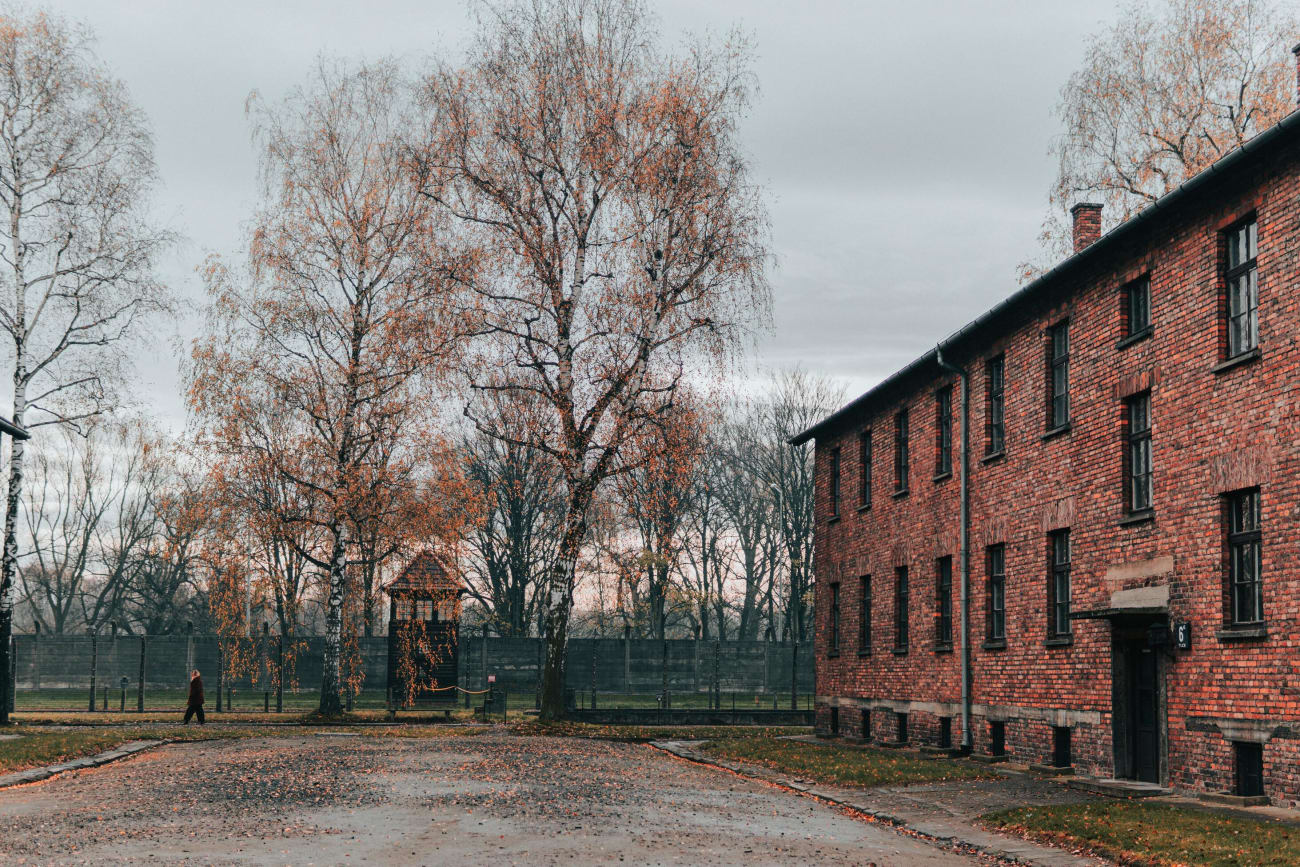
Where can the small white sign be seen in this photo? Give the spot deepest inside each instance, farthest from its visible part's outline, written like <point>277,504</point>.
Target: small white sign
<point>492,678</point>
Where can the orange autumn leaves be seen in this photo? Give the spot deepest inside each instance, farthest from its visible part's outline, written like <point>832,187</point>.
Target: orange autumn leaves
<point>558,241</point>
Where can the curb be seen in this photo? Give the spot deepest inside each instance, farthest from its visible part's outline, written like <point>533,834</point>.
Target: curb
<point>36,775</point>
<point>1013,850</point>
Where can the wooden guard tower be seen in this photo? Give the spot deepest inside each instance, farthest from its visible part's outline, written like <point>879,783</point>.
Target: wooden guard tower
<point>423,632</point>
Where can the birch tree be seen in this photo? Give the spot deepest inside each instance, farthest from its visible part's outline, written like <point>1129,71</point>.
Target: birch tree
<point>337,329</point>
<point>77,252</point>
<point>623,238</point>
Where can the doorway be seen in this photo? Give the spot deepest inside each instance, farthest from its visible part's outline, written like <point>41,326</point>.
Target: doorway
<point>1138,707</point>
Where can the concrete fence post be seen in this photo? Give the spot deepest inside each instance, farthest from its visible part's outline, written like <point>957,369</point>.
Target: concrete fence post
<point>627,658</point>
<point>717,675</point>
<point>10,697</point>
<point>94,663</point>
<point>220,673</point>
<point>593,672</point>
<point>794,675</point>
<point>139,693</point>
<point>279,673</point>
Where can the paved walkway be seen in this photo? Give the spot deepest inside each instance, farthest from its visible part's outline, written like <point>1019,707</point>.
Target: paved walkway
<point>942,812</point>
<point>459,798</point>
<point>35,775</point>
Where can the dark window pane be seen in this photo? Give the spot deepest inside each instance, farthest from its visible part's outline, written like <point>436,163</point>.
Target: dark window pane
<point>943,600</point>
<point>996,602</point>
<point>864,615</point>
<point>1059,588</point>
<point>1243,291</point>
<point>1245,558</point>
<point>1138,458</point>
<point>943,431</point>
<point>995,406</point>
<point>1059,376</point>
<point>901,604</point>
<point>901,456</point>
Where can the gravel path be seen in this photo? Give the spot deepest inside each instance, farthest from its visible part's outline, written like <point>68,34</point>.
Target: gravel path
<point>482,799</point>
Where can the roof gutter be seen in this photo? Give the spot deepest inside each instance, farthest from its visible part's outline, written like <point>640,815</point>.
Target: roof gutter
<point>18,433</point>
<point>1121,232</point>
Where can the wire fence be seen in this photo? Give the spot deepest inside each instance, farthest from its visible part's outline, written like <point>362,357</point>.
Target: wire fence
<point>61,673</point>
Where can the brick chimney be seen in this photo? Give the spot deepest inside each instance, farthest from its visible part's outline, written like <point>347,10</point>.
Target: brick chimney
<point>1296,52</point>
<point>1087,224</point>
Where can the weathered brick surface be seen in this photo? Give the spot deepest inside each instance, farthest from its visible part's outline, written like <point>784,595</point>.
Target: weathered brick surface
<point>1212,433</point>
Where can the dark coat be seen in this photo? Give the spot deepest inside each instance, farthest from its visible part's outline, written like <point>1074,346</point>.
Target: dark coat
<point>196,692</point>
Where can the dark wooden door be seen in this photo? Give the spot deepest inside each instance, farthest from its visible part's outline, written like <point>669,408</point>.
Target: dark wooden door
<point>1143,720</point>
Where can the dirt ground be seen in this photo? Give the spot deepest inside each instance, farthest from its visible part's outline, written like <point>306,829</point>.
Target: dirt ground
<point>481,799</point>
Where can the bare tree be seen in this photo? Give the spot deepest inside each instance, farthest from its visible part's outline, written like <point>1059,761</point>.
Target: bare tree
<point>513,539</point>
<point>749,509</point>
<point>796,400</point>
<point>622,237</point>
<point>64,508</point>
<point>1161,95</point>
<point>76,252</point>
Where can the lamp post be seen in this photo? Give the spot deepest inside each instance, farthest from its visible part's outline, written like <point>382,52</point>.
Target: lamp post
<point>8,675</point>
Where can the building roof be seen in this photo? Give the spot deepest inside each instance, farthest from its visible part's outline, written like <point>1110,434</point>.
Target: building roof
<point>424,574</point>
<point>928,364</point>
<point>13,430</point>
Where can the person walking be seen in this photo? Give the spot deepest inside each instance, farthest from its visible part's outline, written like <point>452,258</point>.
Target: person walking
<point>195,704</point>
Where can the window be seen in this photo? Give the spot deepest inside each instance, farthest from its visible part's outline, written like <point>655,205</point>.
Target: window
<point>1243,290</point>
<point>1137,307</point>
<point>995,431</point>
<point>833,632</point>
<point>424,609</point>
<point>1058,376</point>
<point>835,483</point>
<point>864,615</point>
<point>402,609</point>
<point>835,720</point>
<point>866,724</point>
<point>900,609</point>
<point>900,452</point>
<point>945,732</point>
<point>864,481</point>
<point>943,431</point>
<point>943,602</point>
<point>1245,558</point>
<point>902,727</point>
<point>1059,584</point>
<point>1137,456</point>
<point>996,601</point>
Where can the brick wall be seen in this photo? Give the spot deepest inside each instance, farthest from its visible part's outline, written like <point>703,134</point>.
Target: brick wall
<point>1212,432</point>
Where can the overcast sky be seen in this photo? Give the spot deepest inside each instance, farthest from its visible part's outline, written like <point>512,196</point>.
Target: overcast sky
<point>904,146</point>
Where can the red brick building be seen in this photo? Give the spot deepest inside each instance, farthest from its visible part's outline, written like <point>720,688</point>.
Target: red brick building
<point>1132,522</point>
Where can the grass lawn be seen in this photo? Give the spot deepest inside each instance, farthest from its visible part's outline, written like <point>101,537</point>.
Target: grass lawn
<point>1133,832</point>
<point>844,765</point>
<point>643,734</point>
<point>45,747</point>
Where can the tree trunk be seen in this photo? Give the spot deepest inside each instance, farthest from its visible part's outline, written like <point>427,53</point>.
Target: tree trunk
<point>9,562</point>
<point>331,688</point>
<point>557,607</point>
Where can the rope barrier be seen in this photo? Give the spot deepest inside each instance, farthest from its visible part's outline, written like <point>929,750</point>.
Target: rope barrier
<point>461,689</point>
